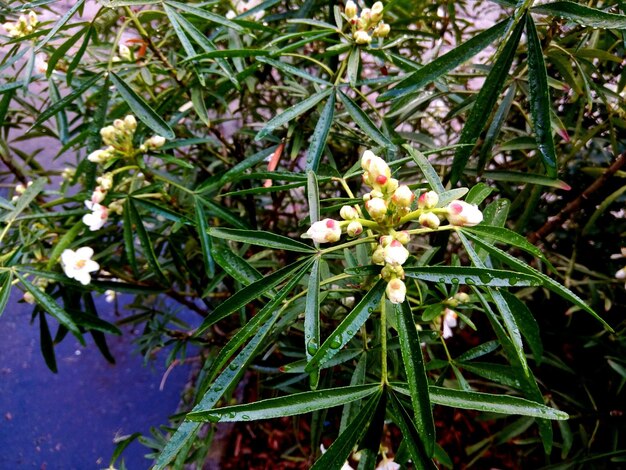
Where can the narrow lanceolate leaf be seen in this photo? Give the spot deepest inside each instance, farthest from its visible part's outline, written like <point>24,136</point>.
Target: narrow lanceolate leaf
<point>59,24</point>
<point>493,403</point>
<point>312,318</point>
<point>141,109</point>
<point>260,238</point>
<point>526,323</point>
<point>47,343</point>
<point>224,382</point>
<point>145,242</point>
<point>472,276</point>
<point>251,292</point>
<point>5,290</point>
<point>583,15</point>
<point>320,134</point>
<point>427,169</point>
<point>66,100</point>
<point>313,196</point>
<point>348,327</point>
<point>202,226</point>
<point>410,434</point>
<point>449,61</point>
<point>291,113</point>
<point>291,70</point>
<point>364,122</point>
<point>540,98</point>
<point>48,304</point>
<point>523,178</point>
<point>485,101</point>
<point>207,15</point>
<point>416,376</point>
<point>173,16</point>
<point>339,451</point>
<point>547,282</point>
<point>234,265</point>
<point>290,405</point>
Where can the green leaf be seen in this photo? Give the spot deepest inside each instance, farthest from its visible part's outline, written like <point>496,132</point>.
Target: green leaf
<point>540,98</point>
<point>348,327</point>
<point>320,134</point>
<point>495,127</point>
<point>260,238</point>
<point>521,178</point>
<point>339,451</point>
<point>129,238</point>
<point>124,3</point>
<point>59,24</point>
<point>509,237</point>
<point>205,241</point>
<point>438,67</point>
<point>173,16</point>
<point>144,241</point>
<point>312,318</point>
<point>358,377</point>
<point>582,15</point>
<point>141,109</point>
<point>547,282</point>
<point>63,49</point>
<point>25,199</point>
<point>526,323</point>
<point>485,101</point>
<point>489,402</point>
<point>291,70</point>
<point>364,122</point>
<point>235,266</point>
<point>292,113</point>
<point>313,196</point>
<point>46,343</point>
<point>221,212</point>
<point>250,293</point>
<point>6,279</point>
<point>473,276</point>
<point>290,405</point>
<point>427,169</point>
<point>478,193</point>
<point>207,15</point>
<point>416,376</point>
<point>48,304</point>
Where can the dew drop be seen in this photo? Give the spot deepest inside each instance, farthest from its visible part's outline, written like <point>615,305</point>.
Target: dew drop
<point>245,418</point>
<point>442,280</point>
<point>335,343</point>
<point>233,366</point>
<point>470,281</point>
<point>455,280</point>
<point>513,281</point>
<point>350,332</point>
<point>485,277</point>
<point>312,347</point>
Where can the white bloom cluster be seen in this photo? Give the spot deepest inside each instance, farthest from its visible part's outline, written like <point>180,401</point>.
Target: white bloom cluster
<point>369,24</point>
<point>24,25</point>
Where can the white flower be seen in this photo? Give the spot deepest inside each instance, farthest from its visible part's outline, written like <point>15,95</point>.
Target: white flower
<point>462,214</point>
<point>78,264</point>
<point>382,30</point>
<point>348,213</point>
<point>361,37</point>
<point>428,200</point>
<point>377,208</point>
<point>41,64</point>
<point>376,169</point>
<point>396,253</point>
<point>621,274</point>
<point>109,296</point>
<point>351,9</point>
<point>155,142</point>
<point>388,464</point>
<point>324,231</point>
<point>105,181</point>
<point>429,220</point>
<point>449,321</point>
<point>124,52</point>
<point>403,196</point>
<point>396,291</point>
<point>99,156</point>
<point>98,195</point>
<point>97,218</point>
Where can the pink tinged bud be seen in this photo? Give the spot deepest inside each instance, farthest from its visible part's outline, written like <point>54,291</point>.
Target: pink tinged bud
<point>462,214</point>
<point>621,274</point>
<point>396,253</point>
<point>98,195</point>
<point>348,213</point>
<point>366,159</point>
<point>428,200</point>
<point>403,196</point>
<point>403,237</point>
<point>354,229</point>
<point>449,321</point>
<point>429,220</point>
<point>385,240</point>
<point>396,291</point>
<point>324,231</point>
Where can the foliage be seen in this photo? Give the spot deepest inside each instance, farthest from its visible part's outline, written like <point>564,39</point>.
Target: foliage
<point>236,128</point>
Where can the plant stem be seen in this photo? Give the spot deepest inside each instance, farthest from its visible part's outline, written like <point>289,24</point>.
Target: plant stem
<point>383,341</point>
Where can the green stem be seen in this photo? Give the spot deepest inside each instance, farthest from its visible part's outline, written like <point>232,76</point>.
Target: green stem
<point>383,341</point>
<point>416,213</point>
<point>347,244</point>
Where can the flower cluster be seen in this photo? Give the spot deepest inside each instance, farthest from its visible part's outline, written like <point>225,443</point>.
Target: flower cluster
<point>24,26</point>
<point>390,205</point>
<point>369,24</point>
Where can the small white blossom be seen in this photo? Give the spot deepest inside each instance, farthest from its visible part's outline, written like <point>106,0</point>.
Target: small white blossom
<point>361,37</point>
<point>78,264</point>
<point>110,295</point>
<point>354,229</point>
<point>429,220</point>
<point>124,52</point>
<point>396,253</point>
<point>377,208</point>
<point>324,231</point>
<point>428,200</point>
<point>155,142</point>
<point>351,9</point>
<point>449,321</point>
<point>403,196</point>
<point>97,218</point>
<point>99,156</point>
<point>396,291</point>
<point>348,213</point>
<point>98,195</point>
<point>462,214</point>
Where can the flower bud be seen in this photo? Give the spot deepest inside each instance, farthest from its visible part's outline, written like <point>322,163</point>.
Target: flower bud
<point>324,231</point>
<point>462,214</point>
<point>366,159</point>
<point>621,274</point>
<point>354,229</point>
<point>429,220</point>
<point>124,52</point>
<point>382,30</point>
<point>99,156</point>
<point>391,186</point>
<point>98,195</point>
<point>108,135</point>
<point>32,18</point>
<point>155,142</point>
<point>377,11</point>
<point>378,257</point>
<point>403,237</point>
<point>351,9</point>
<point>462,297</point>
<point>348,213</point>
<point>361,37</point>
<point>396,291</point>
<point>365,18</point>
<point>29,298</point>
<point>377,208</point>
<point>119,124</point>
<point>105,181</point>
<point>385,240</point>
<point>396,253</point>
<point>130,122</point>
<point>449,321</point>
<point>117,207</point>
<point>403,196</point>
<point>428,200</point>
